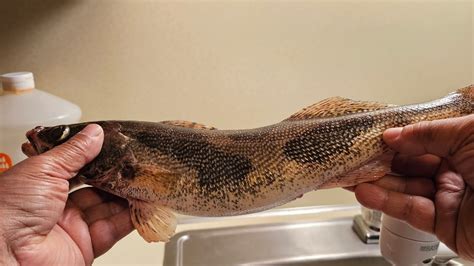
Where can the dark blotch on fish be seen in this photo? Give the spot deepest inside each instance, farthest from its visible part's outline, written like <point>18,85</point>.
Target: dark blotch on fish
<point>211,163</point>
<point>323,141</point>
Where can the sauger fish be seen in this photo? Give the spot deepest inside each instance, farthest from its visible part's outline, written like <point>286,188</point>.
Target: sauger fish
<point>183,167</point>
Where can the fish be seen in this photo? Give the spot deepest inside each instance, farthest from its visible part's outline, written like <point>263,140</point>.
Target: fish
<point>168,167</point>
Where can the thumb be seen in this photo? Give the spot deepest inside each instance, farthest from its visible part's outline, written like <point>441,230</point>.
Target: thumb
<point>65,160</point>
<point>440,137</point>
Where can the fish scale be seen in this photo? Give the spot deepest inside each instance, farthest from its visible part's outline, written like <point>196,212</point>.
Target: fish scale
<point>189,168</point>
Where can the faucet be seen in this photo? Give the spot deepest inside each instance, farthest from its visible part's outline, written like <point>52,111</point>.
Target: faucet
<point>367,225</point>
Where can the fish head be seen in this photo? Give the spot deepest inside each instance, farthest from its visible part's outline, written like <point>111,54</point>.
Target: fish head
<point>112,170</point>
<point>42,139</point>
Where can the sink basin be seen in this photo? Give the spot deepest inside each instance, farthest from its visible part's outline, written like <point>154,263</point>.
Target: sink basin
<point>298,236</point>
<point>357,261</point>
<point>327,242</point>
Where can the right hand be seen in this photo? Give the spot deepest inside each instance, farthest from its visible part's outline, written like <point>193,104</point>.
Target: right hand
<point>42,224</point>
<point>436,193</point>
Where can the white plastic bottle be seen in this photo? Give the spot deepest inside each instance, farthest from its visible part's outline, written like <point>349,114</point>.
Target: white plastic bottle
<point>22,107</point>
<point>402,244</point>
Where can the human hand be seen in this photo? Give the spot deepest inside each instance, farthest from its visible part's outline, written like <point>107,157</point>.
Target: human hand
<point>435,193</point>
<point>41,225</point>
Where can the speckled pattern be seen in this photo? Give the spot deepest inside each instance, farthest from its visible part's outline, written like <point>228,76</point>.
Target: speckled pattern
<point>220,172</point>
<point>198,170</point>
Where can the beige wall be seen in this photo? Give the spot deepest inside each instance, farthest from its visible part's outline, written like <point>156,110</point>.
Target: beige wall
<point>237,64</point>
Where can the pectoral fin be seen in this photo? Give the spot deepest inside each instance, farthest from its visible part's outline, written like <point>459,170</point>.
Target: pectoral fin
<point>336,106</point>
<point>154,223</point>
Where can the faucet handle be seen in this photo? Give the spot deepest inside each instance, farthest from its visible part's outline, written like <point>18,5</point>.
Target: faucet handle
<point>367,225</point>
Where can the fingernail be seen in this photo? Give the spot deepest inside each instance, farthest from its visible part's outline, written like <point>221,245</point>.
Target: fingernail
<point>92,130</point>
<point>392,133</point>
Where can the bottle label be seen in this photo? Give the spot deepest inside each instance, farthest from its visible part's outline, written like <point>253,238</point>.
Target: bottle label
<point>5,162</point>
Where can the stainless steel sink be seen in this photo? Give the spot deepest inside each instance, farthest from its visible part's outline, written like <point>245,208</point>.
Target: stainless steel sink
<point>329,242</point>
<point>297,236</point>
<point>362,261</point>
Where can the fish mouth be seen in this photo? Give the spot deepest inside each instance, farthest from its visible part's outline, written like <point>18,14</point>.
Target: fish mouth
<point>28,149</point>
<point>34,145</point>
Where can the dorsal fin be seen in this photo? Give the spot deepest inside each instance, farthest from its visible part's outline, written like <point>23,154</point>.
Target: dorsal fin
<point>188,124</point>
<point>336,106</point>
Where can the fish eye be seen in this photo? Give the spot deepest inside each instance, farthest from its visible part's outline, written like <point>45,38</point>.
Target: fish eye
<point>65,133</point>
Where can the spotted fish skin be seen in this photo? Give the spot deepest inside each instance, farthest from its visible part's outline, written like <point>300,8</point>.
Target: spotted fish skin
<point>199,170</point>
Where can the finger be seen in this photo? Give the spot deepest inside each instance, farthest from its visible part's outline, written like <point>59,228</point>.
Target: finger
<point>105,233</point>
<point>448,200</point>
<point>105,210</point>
<point>73,223</point>
<point>465,230</point>
<point>418,186</point>
<point>440,137</point>
<point>417,211</point>
<point>66,159</point>
<point>88,197</point>
<point>422,166</point>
